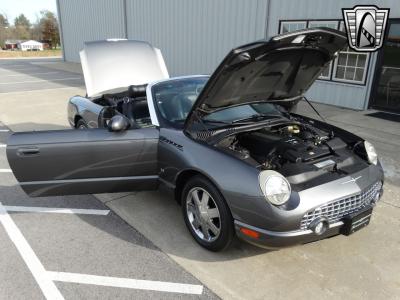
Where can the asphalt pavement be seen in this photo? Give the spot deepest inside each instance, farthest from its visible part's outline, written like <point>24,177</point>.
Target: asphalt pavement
<point>156,245</point>
<point>73,247</point>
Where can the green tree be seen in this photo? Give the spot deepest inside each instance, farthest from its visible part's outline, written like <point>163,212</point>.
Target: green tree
<point>21,30</point>
<point>49,26</point>
<point>21,20</point>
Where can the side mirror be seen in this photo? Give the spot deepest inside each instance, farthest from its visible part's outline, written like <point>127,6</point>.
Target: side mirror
<point>118,123</point>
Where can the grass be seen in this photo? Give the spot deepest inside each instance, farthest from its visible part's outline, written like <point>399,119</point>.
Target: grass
<point>16,54</point>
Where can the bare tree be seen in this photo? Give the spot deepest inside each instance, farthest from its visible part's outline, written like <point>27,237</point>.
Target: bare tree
<point>50,31</point>
<point>4,29</point>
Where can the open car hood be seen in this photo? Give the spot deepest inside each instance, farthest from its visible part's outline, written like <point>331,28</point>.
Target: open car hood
<point>113,64</point>
<point>279,70</point>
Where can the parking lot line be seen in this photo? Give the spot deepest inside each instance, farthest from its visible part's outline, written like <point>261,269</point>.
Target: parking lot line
<point>56,210</point>
<point>30,74</point>
<point>4,130</point>
<point>47,286</point>
<point>3,145</point>
<point>5,171</point>
<point>41,80</point>
<point>39,90</point>
<point>160,286</point>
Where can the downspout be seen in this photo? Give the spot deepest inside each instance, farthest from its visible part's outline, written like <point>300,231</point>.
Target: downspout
<point>60,29</point>
<point>125,19</point>
<point>267,16</point>
<point>371,73</point>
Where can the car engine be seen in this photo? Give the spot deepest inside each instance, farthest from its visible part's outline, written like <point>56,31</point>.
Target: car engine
<point>294,149</point>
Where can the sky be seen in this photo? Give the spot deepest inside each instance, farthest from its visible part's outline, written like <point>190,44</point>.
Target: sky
<point>30,8</point>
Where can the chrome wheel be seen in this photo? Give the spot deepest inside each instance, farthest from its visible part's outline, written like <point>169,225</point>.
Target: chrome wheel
<point>203,214</point>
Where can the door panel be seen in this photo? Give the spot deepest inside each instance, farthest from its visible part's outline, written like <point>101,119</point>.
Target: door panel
<point>66,162</point>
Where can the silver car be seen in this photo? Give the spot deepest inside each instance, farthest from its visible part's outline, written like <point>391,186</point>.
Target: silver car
<point>229,147</point>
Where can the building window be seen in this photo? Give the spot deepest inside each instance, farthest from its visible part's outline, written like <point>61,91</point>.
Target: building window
<point>326,73</point>
<point>350,66</point>
<point>329,24</point>
<point>288,26</point>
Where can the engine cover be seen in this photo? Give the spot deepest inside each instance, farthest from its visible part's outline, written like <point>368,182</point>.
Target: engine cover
<point>295,149</point>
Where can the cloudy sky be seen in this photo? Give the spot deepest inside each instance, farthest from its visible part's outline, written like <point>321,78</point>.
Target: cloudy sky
<point>30,8</point>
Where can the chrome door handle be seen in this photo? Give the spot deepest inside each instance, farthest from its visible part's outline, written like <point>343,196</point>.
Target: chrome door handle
<point>28,151</point>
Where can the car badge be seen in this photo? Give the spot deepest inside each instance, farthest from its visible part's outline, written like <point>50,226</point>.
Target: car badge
<point>365,27</point>
<point>353,179</point>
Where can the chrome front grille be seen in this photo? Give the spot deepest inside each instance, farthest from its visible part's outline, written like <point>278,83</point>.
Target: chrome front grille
<point>337,209</point>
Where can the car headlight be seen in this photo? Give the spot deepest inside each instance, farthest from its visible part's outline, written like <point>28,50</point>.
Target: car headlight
<point>275,187</point>
<point>371,152</point>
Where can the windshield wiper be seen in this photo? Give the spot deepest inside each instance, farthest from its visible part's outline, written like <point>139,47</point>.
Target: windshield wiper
<point>255,118</point>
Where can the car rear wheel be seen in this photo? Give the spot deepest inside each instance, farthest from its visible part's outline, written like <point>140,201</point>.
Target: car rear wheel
<point>81,124</point>
<point>206,214</point>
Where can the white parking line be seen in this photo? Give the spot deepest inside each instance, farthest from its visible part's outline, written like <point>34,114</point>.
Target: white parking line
<point>41,80</point>
<point>40,90</point>
<point>18,70</point>
<point>57,210</point>
<point>161,286</point>
<point>3,145</point>
<point>47,286</point>
<point>5,171</point>
<point>4,130</point>
<point>30,74</point>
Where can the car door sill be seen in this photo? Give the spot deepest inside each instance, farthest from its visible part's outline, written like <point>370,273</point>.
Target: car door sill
<point>90,185</point>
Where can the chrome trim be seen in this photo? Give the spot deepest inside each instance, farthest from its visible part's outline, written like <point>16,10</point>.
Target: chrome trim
<point>284,233</point>
<point>88,180</point>
<point>338,208</point>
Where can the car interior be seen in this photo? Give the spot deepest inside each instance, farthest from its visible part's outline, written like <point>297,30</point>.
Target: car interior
<point>132,103</point>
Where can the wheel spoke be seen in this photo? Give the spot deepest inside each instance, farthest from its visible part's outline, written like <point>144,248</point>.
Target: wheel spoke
<point>196,223</point>
<point>196,199</point>
<point>213,213</point>
<point>204,229</point>
<point>191,208</point>
<point>215,230</point>
<point>204,199</point>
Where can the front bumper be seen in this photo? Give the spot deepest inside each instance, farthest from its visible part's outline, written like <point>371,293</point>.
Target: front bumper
<point>274,240</point>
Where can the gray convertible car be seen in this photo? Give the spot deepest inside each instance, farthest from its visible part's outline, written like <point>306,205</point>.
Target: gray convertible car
<point>230,147</point>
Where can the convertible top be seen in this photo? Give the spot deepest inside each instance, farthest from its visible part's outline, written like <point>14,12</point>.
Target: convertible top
<point>118,63</point>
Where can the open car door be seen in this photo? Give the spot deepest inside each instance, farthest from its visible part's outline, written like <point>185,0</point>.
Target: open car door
<point>69,162</point>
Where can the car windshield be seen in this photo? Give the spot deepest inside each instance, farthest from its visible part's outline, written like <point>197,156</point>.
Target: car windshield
<point>175,99</point>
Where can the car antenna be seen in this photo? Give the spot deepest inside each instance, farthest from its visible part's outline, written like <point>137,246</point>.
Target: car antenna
<point>316,111</point>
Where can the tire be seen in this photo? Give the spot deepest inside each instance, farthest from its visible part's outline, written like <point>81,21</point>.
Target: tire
<point>81,124</point>
<point>215,233</point>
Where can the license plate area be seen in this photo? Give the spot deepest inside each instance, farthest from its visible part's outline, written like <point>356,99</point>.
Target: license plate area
<point>356,221</point>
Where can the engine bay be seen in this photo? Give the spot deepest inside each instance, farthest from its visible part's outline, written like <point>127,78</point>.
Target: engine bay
<point>297,150</point>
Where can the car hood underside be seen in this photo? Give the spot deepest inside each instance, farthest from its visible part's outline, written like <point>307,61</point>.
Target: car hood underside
<point>279,70</point>
<point>113,64</point>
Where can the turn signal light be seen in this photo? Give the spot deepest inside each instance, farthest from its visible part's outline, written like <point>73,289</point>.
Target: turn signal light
<point>250,233</point>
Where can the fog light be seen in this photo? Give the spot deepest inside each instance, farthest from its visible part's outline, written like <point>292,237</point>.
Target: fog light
<point>319,226</point>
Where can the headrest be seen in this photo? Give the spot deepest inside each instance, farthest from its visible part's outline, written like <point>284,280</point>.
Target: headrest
<point>135,91</point>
